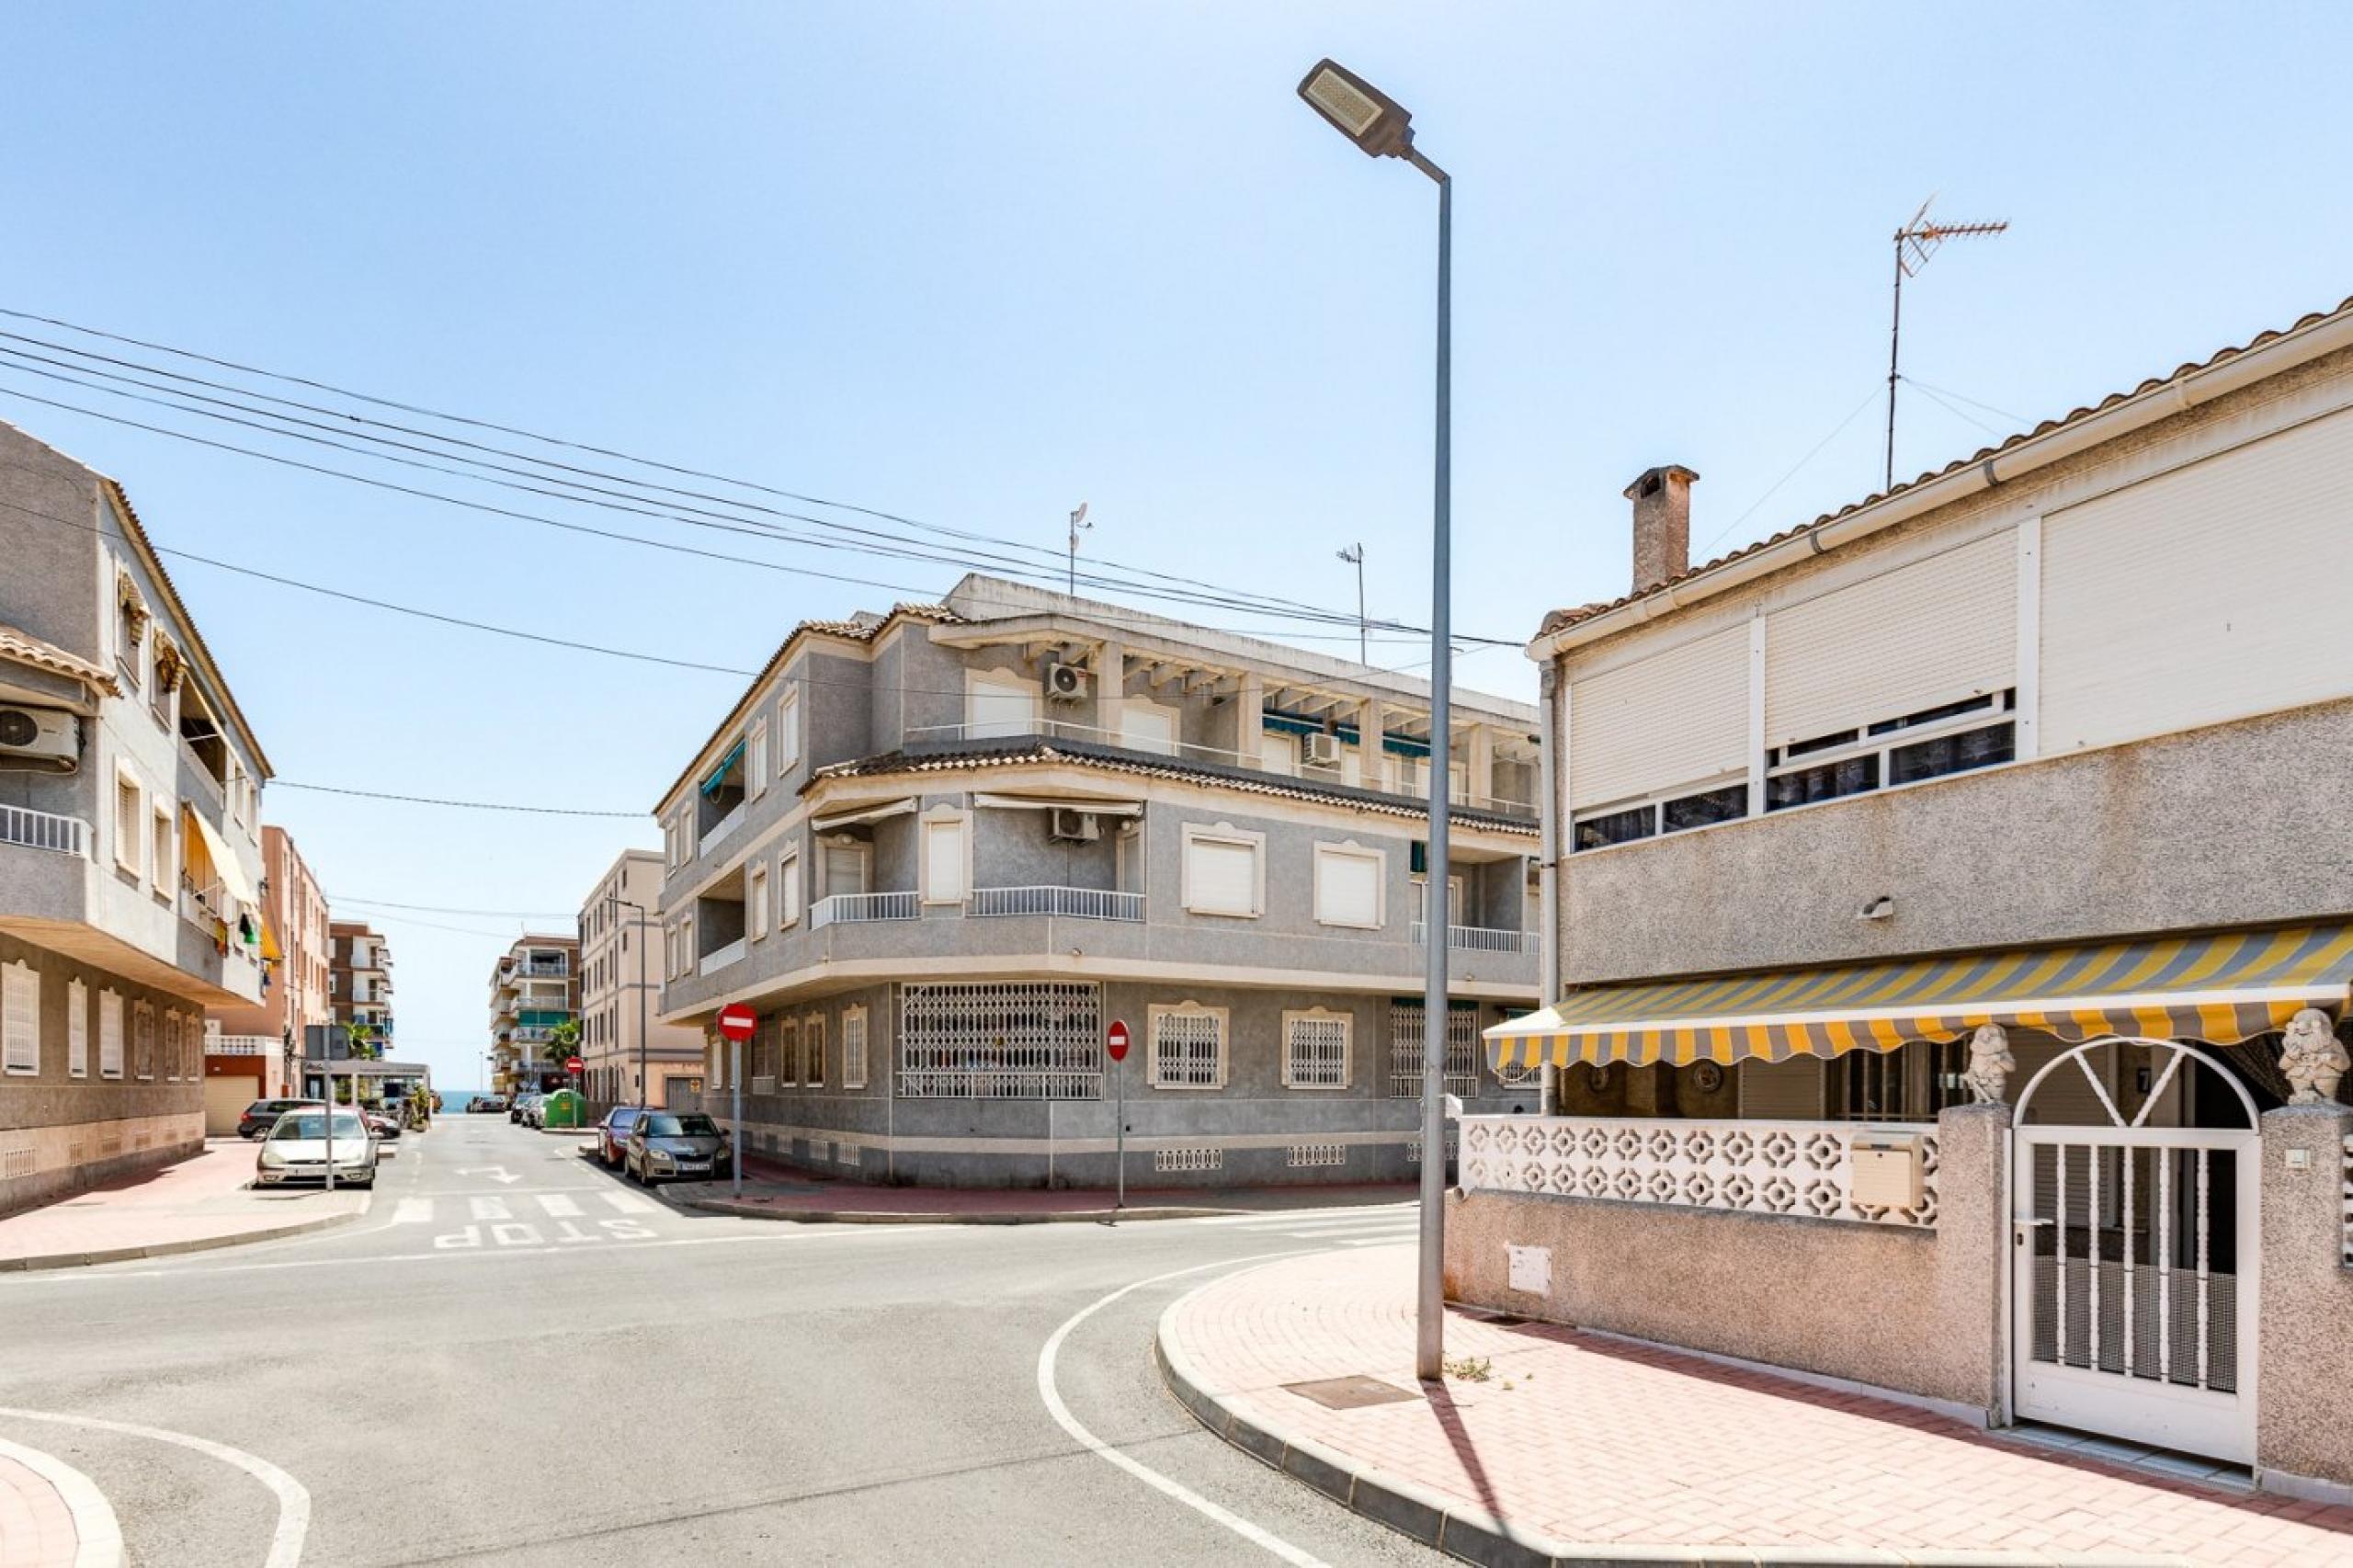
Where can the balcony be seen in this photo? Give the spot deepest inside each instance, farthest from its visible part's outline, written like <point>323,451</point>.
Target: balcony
<point>857,908</point>
<point>1070,903</point>
<point>721,829</point>
<point>44,830</point>
<point>540,969</point>
<point>243,1045</point>
<point>1481,938</point>
<point>719,958</point>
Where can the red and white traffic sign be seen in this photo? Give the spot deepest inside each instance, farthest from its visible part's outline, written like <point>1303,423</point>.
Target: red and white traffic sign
<point>1115,1040</point>
<point>736,1022</point>
<point>572,1064</point>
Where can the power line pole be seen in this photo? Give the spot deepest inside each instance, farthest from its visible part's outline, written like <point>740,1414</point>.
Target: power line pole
<point>1915,242</point>
<point>1077,521</point>
<point>1354,556</point>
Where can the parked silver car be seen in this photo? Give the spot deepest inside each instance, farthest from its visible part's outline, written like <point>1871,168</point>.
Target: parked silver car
<point>668,1145</point>
<point>296,1150</point>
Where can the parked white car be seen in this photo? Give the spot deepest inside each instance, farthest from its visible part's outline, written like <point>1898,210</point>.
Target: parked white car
<point>296,1150</point>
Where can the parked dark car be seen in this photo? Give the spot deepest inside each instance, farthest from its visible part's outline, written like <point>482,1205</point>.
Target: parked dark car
<point>612,1135</point>
<point>520,1108</point>
<point>668,1145</point>
<point>262,1115</point>
<point>486,1105</point>
<point>381,1125</point>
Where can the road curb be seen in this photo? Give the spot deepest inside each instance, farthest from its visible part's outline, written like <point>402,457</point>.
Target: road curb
<point>98,1533</point>
<point>172,1249</point>
<point>1464,1532</point>
<point>893,1217</point>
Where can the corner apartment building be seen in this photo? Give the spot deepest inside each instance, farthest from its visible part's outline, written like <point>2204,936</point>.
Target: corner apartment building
<point>130,861</point>
<point>940,850</point>
<point>621,985</point>
<point>1971,863</point>
<point>534,990</point>
<point>253,1053</point>
<point>359,983</point>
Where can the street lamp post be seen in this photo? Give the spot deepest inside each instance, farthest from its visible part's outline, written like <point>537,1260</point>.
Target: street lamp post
<point>1381,128</point>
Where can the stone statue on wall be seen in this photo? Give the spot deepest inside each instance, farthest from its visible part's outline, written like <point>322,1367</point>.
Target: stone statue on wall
<point>2312,1058</point>
<point>1990,1063</point>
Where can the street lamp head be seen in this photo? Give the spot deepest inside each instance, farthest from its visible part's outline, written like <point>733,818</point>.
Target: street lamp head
<point>1376,122</point>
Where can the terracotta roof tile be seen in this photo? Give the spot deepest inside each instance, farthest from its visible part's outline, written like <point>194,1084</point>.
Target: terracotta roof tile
<point>1560,618</point>
<point>24,648</point>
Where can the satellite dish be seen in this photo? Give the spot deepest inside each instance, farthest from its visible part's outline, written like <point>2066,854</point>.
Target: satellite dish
<point>1079,517</point>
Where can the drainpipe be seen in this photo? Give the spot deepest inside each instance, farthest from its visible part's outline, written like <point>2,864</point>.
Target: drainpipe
<point>1548,873</point>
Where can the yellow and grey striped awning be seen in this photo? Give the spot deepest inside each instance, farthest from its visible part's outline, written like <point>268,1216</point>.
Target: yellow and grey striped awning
<point>2220,986</point>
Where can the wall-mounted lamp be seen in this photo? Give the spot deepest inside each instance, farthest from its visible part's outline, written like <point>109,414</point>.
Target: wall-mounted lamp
<point>1881,908</point>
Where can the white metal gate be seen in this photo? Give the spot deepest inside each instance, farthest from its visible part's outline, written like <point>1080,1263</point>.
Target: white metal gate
<point>2133,1272</point>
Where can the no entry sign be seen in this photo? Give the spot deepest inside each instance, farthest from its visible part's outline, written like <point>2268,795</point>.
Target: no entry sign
<point>736,1022</point>
<point>573,1065</point>
<point>1115,1040</point>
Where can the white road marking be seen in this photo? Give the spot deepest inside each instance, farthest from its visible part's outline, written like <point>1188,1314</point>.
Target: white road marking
<point>1299,1216</point>
<point>98,1534</point>
<point>1256,1535</point>
<point>631,1203</point>
<point>558,1206</point>
<point>413,1211</point>
<point>488,1209</point>
<point>495,1172</point>
<point>294,1499</point>
<point>1351,1228</point>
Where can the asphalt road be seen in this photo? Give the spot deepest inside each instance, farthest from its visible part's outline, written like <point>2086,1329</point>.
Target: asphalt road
<point>518,1359</point>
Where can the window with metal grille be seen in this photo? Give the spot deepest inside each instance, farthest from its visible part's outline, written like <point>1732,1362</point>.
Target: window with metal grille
<point>1188,1159</point>
<point>78,1028</point>
<point>172,1050</point>
<point>1317,1155</point>
<point>21,1017</point>
<point>852,1048</point>
<point>109,1034</point>
<point>1315,1051</point>
<point>1188,1046</point>
<point>813,1050</point>
<point>142,1039</point>
<point>788,1052</point>
<point>1016,1039</point>
<point>1405,1049</point>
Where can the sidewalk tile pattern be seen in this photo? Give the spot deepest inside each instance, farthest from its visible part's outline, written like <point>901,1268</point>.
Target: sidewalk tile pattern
<point>36,1527</point>
<point>200,1199</point>
<point>1590,1440</point>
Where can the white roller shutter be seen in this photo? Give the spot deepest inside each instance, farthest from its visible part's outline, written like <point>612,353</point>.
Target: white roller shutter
<point>1674,718</point>
<point>943,861</point>
<point>1347,887</point>
<point>1221,876</point>
<point>1001,705</point>
<point>1923,635</point>
<point>2203,595</point>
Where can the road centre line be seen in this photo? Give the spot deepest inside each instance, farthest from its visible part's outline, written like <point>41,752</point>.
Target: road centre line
<point>1255,1534</point>
<point>294,1499</point>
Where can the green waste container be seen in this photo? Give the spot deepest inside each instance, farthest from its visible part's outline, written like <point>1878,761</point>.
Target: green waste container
<point>562,1109</point>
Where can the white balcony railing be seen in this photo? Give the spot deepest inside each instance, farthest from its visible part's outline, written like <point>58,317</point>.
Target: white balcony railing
<point>241,1045</point>
<point>719,958</point>
<point>44,830</point>
<point>1481,938</point>
<point>855,908</point>
<point>1074,903</point>
<point>721,829</point>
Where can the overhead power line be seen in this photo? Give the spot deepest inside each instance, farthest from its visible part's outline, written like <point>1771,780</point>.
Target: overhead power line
<point>461,805</point>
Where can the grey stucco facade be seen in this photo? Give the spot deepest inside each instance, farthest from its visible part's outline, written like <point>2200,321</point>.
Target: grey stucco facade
<point>884,830</point>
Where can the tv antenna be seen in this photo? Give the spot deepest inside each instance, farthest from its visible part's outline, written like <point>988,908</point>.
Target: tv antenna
<point>1077,521</point>
<point>1354,556</point>
<point>1914,242</point>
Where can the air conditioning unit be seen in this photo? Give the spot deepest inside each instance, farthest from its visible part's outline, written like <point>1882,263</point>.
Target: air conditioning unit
<point>1068,683</point>
<point>45,738</point>
<point>1064,825</point>
<point>1320,750</point>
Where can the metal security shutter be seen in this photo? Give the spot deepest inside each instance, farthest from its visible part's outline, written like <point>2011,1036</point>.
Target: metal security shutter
<point>1781,1091</point>
<point>1674,718</point>
<point>1348,888</point>
<point>1920,636</point>
<point>1221,877</point>
<point>2175,603</point>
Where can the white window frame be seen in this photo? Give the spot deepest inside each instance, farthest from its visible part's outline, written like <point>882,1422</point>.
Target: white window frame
<point>1458,891</point>
<point>159,848</point>
<point>756,761</point>
<point>856,849</point>
<point>112,1037</point>
<point>2002,710</point>
<point>20,1043</point>
<point>169,1036</point>
<point>788,889</point>
<point>854,1047</point>
<point>1000,681</point>
<point>1285,746</point>
<point>1226,833</point>
<point>77,1029</point>
<point>132,855</point>
<point>1128,857</point>
<point>813,1050</point>
<point>143,1041</point>
<point>1293,1078</point>
<point>1135,706</point>
<point>788,1052</point>
<point>1158,1015</point>
<point>787,729</point>
<point>941,819</point>
<point>1656,804</point>
<point>756,897</point>
<point>1349,849</point>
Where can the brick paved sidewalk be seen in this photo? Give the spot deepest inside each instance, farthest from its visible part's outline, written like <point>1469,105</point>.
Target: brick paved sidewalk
<point>1592,1443</point>
<point>41,1526</point>
<point>200,1202</point>
<point>781,1192</point>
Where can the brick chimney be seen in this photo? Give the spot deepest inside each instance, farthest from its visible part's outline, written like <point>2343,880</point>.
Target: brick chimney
<point>1661,499</point>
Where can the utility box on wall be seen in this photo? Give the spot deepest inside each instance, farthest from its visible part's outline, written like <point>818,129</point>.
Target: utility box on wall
<point>1886,1167</point>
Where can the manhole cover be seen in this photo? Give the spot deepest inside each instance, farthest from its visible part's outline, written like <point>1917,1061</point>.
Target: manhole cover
<point>1350,1393</point>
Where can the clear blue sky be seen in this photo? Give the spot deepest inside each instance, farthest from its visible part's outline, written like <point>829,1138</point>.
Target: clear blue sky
<point>978,264</point>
